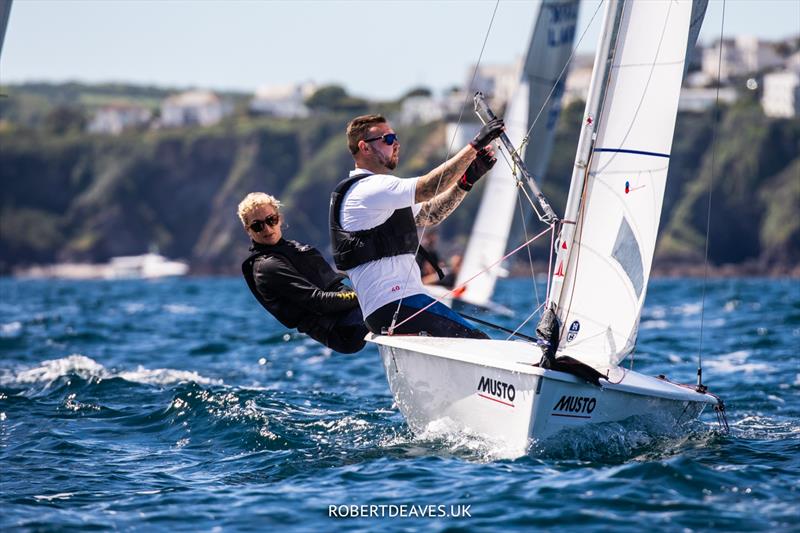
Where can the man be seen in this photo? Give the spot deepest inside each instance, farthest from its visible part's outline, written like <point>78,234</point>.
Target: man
<point>294,283</point>
<point>373,223</point>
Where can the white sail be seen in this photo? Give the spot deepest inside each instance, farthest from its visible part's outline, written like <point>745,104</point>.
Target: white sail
<point>548,51</point>
<point>601,288</point>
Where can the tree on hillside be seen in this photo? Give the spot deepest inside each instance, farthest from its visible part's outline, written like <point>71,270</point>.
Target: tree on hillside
<point>65,119</point>
<point>335,98</point>
<point>417,91</point>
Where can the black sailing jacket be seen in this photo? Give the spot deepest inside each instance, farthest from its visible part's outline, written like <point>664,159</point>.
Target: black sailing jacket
<point>298,287</point>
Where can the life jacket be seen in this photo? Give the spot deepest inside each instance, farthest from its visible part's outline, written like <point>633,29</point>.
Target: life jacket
<point>311,265</point>
<point>396,236</point>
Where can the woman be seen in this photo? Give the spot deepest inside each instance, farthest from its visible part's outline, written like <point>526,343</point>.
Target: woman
<point>294,283</point>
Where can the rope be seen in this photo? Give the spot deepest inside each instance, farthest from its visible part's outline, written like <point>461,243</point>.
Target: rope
<point>516,331</point>
<point>454,289</point>
<point>449,150</point>
<point>708,210</point>
<point>500,328</point>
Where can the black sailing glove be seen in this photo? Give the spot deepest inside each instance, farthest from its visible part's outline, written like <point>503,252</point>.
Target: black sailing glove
<point>489,132</point>
<point>484,161</point>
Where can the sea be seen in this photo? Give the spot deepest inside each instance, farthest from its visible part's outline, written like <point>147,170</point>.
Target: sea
<point>182,405</point>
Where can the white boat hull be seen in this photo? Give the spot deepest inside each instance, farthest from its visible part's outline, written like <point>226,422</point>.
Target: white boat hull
<point>491,388</point>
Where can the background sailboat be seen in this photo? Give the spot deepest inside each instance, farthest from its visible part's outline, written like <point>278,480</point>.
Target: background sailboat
<point>531,114</point>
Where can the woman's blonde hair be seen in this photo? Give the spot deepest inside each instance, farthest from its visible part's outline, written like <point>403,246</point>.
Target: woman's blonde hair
<point>255,200</point>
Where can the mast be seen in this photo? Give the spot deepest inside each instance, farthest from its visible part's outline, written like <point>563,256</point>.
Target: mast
<point>5,13</point>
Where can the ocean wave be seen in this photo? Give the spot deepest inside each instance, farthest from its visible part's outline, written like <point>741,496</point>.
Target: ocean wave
<point>735,362</point>
<point>88,369</point>
<point>11,329</point>
<point>180,309</point>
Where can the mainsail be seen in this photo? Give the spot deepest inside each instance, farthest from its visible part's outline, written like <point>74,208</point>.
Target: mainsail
<point>549,49</point>
<point>609,235</point>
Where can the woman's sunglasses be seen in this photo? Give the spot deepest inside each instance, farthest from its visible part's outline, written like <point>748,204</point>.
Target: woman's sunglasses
<point>258,225</point>
<point>388,138</point>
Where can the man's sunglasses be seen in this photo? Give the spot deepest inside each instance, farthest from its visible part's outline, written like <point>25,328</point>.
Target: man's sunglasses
<point>388,138</point>
<point>258,225</point>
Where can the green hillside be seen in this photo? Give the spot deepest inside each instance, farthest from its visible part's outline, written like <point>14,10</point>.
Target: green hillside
<point>67,195</point>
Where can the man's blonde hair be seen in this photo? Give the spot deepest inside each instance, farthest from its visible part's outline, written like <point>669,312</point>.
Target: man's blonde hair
<point>255,200</point>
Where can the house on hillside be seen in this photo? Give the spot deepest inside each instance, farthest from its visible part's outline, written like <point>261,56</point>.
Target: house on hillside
<point>743,54</point>
<point>579,75</point>
<point>287,101</point>
<point>115,118</point>
<point>421,109</point>
<point>781,96</point>
<point>203,108</point>
<point>698,99</point>
<point>498,82</point>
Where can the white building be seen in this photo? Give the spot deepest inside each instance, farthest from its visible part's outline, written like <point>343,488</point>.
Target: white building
<point>579,76</point>
<point>741,55</point>
<point>497,82</point>
<point>113,119</point>
<point>202,108</point>
<point>421,110</point>
<point>781,96</point>
<point>698,99</point>
<point>286,101</point>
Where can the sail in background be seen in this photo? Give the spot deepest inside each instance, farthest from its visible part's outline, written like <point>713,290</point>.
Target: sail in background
<point>605,282</point>
<point>549,49</point>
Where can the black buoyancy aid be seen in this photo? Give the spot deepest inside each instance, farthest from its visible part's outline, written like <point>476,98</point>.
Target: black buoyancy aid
<point>311,265</point>
<point>396,236</point>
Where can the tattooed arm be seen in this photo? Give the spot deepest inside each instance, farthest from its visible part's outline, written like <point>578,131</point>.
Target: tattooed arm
<point>443,177</point>
<point>436,209</point>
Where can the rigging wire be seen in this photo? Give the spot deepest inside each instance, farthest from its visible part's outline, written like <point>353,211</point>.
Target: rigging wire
<point>700,385</point>
<point>449,150</point>
<point>484,271</point>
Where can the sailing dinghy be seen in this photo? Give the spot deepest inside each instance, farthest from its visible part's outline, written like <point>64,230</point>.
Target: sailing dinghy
<point>506,390</point>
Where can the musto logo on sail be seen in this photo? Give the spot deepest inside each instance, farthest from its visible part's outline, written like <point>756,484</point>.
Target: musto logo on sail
<point>575,406</point>
<point>497,391</point>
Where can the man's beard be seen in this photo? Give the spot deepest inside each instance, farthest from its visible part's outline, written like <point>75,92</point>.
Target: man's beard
<point>391,162</point>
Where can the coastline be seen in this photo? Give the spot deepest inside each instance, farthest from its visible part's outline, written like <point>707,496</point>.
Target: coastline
<point>665,269</point>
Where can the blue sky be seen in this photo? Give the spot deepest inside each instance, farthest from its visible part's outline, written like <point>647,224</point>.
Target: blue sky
<point>377,49</point>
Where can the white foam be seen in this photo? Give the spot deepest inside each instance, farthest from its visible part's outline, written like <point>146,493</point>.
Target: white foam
<point>87,368</point>
<point>166,376</point>
<point>458,440</point>
<point>654,324</point>
<point>11,329</point>
<point>689,309</point>
<point>55,368</point>
<point>674,358</point>
<point>51,497</point>
<point>133,308</point>
<point>735,362</point>
<point>180,309</point>
<point>731,305</point>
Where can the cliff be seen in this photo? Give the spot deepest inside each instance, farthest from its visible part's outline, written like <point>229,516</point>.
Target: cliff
<point>70,196</point>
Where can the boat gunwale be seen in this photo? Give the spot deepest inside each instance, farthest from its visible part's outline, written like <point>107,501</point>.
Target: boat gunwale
<point>678,392</point>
